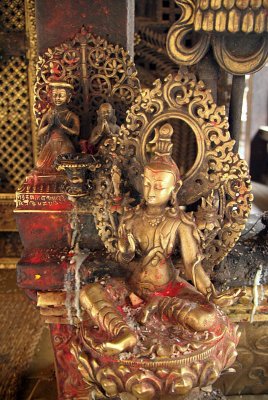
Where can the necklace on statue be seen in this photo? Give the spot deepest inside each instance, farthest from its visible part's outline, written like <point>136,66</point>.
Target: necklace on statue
<point>153,220</point>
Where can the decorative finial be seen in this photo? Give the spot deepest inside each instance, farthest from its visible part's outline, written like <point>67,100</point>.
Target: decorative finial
<point>163,142</point>
<point>162,149</point>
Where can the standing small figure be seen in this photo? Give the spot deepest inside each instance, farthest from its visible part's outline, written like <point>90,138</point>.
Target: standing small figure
<point>57,124</point>
<point>106,125</point>
<point>116,180</point>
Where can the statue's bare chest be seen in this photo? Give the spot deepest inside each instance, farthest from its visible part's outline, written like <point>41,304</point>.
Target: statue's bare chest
<point>153,233</point>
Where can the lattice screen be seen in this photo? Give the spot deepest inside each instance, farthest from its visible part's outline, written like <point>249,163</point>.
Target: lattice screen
<point>164,11</point>
<point>15,123</point>
<point>12,15</point>
<point>16,158</point>
<point>167,12</point>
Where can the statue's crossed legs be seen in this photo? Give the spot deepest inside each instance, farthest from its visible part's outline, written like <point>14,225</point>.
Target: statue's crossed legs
<point>190,310</point>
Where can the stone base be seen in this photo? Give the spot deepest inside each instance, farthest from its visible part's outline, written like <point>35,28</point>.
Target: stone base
<point>196,394</point>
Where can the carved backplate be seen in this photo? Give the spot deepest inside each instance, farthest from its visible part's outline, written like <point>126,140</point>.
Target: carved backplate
<point>216,176</point>
<point>99,72</point>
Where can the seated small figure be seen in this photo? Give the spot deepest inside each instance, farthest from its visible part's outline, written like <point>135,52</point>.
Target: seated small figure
<point>148,236</point>
<point>57,125</point>
<point>106,126</point>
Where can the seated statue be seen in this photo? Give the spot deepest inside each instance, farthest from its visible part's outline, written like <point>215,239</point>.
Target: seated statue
<point>148,236</point>
<point>57,125</point>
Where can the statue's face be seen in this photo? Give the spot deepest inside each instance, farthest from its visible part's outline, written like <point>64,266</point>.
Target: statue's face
<point>106,111</point>
<point>158,186</point>
<point>59,96</point>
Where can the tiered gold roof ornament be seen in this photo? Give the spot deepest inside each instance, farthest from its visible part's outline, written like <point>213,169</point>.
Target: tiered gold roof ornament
<point>236,30</point>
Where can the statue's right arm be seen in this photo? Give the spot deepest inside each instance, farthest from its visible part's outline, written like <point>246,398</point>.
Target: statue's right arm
<point>126,243</point>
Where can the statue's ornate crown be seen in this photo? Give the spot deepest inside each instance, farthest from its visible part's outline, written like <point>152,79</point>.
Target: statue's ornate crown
<point>60,84</point>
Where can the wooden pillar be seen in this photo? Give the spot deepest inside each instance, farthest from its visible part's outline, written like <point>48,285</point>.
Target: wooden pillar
<point>58,20</point>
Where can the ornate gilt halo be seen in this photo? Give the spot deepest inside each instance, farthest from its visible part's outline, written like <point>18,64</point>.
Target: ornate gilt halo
<point>216,169</point>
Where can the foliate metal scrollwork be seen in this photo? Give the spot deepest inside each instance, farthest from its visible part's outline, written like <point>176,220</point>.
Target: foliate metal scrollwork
<point>176,48</point>
<point>99,72</point>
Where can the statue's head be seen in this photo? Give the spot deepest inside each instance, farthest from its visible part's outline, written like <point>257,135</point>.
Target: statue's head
<point>106,111</point>
<point>161,175</point>
<point>60,92</point>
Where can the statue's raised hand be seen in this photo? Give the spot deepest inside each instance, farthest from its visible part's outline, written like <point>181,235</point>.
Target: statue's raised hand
<point>51,119</point>
<point>58,121</point>
<point>126,243</point>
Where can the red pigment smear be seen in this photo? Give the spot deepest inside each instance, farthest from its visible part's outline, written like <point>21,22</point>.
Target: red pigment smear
<point>158,276</point>
<point>217,329</point>
<point>171,290</point>
<point>37,258</point>
<point>115,208</point>
<point>263,309</point>
<point>163,261</point>
<point>120,309</point>
<point>107,360</point>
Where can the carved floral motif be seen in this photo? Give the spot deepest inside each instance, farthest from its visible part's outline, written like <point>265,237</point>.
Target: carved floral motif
<point>99,72</point>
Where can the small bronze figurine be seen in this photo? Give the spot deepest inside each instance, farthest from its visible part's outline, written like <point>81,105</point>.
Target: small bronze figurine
<point>106,125</point>
<point>57,125</point>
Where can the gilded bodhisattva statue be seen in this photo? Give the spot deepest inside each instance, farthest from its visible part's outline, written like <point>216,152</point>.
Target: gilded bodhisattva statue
<point>148,235</point>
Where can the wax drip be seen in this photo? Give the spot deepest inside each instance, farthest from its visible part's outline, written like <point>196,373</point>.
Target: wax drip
<point>74,281</point>
<point>69,275</point>
<point>255,292</point>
